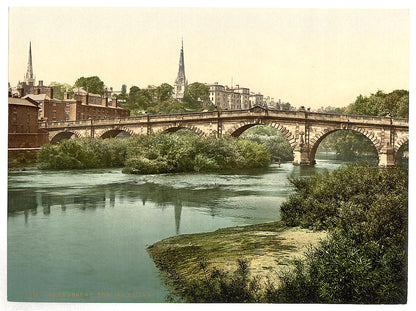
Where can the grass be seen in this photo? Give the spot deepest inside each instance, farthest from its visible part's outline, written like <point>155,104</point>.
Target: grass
<point>266,247</point>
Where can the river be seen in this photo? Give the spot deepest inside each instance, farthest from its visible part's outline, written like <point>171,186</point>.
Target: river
<point>81,236</point>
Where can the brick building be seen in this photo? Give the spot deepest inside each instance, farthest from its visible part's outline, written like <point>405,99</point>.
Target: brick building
<point>23,124</point>
<point>84,106</point>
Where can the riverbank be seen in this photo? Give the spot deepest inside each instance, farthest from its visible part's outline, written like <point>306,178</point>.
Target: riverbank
<point>268,248</point>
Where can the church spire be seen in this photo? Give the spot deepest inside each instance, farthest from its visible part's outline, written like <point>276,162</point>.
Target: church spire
<point>181,82</point>
<point>29,73</point>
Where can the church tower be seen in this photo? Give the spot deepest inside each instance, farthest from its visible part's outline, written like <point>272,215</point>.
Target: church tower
<point>29,78</point>
<point>180,83</point>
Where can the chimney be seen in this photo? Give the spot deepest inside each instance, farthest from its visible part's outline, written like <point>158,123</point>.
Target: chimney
<point>20,92</point>
<point>49,91</point>
<point>40,83</point>
<point>84,99</point>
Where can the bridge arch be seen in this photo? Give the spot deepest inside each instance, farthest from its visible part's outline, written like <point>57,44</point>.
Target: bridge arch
<point>114,132</point>
<point>173,129</point>
<point>402,153</point>
<point>320,136</point>
<point>400,143</point>
<point>240,128</point>
<point>64,135</point>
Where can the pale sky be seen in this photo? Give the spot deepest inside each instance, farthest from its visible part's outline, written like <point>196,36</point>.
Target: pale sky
<point>310,57</point>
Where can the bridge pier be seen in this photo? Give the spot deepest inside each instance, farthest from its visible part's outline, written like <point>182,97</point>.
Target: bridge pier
<point>387,158</point>
<point>302,158</point>
<point>302,154</point>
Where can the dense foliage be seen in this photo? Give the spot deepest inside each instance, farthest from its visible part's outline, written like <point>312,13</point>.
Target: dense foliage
<point>274,141</point>
<point>91,84</point>
<point>395,103</point>
<point>196,93</point>
<point>159,99</point>
<point>190,153</point>
<point>164,153</point>
<point>221,286</point>
<point>83,153</point>
<point>59,90</point>
<point>365,258</point>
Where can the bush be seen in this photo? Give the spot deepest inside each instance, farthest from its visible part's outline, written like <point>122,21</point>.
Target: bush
<point>185,152</point>
<point>220,286</point>
<point>365,258</point>
<point>155,154</point>
<point>274,141</point>
<point>83,153</point>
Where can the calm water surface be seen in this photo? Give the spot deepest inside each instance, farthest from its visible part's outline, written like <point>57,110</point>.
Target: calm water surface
<point>86,232</point>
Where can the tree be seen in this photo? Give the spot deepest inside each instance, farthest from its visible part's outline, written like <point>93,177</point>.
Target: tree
<point>136,99</point>
<point>59,89</point>
<point>91,84</point>
<point>395,103</point>
<point>123,95</point>
<point>196,93</point>
<point>285,106</point>
<point>164,92</point>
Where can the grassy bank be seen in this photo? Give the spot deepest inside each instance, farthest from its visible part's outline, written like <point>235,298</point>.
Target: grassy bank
<point>360,210</point>
<point>268,248</point>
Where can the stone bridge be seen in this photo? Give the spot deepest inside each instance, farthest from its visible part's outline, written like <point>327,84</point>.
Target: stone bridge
<point>303,129</point>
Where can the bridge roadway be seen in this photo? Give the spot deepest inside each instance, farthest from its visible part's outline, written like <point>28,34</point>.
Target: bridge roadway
<point>303,129</point>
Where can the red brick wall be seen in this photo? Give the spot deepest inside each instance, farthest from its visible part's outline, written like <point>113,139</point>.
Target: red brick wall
<point>53,111</point>
<point>23,119</point>
<point>27,140</point>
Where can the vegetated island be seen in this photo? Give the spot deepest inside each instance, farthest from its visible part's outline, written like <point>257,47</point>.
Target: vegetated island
<point>342,239</point>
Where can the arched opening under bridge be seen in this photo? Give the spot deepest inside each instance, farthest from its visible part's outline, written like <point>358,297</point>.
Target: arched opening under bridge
<point>63,135</point>
<point>275,142</point>
<point>344,146</point>
<point>402,155</point>
<point>116,133</point>
<point>182,130</point>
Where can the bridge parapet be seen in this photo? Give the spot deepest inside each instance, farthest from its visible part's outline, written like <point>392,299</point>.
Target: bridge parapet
<point>234,114</point>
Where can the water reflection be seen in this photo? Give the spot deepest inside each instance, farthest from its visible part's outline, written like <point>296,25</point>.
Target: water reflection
<point>254,194</point>
<point>198,192</point>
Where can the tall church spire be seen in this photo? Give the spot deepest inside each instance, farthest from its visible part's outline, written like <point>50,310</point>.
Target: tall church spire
<point>181,82</point>
<point>29,78</point>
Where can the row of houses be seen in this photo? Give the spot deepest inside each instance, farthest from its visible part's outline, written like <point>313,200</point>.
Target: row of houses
<point>230,98</point>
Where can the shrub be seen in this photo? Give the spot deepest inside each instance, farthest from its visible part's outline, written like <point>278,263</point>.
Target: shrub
<point>365,258</point>
<point>220,286</point>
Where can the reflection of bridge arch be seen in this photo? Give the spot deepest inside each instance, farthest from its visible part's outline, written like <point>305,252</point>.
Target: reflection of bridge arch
<point>239,129</point>
<point>111,133</point>
<point>173,129</point>
<point>64,135</point>
<point>319,137</point>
